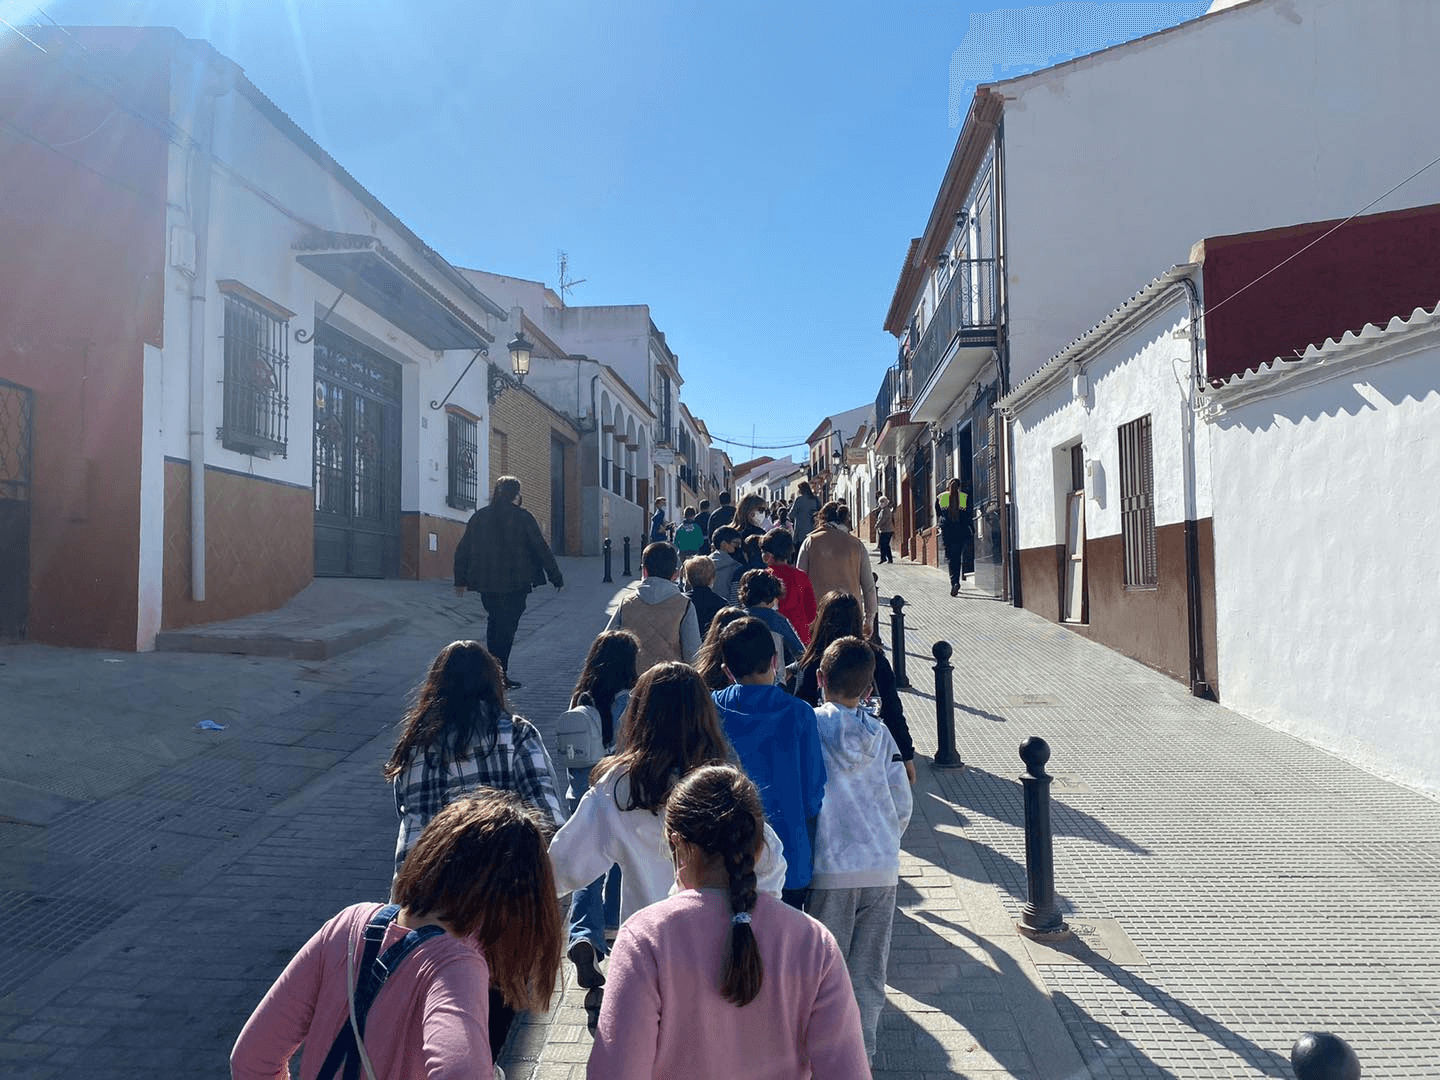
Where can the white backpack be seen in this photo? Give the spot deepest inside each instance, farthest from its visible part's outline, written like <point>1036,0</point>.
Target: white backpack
<point>579,738</point>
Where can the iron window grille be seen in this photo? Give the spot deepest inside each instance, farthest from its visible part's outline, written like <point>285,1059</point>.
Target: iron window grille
<point>1137,504</point>
<point>257,379</point>
<point>464,475</point>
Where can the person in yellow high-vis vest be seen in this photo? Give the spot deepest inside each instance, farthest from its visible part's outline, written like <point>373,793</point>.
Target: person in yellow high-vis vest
<point>952,514</point>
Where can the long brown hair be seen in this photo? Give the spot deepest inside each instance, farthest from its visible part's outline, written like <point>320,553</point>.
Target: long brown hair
<point>481,865</point>
<point>609,668</point>
<point>670,727</point>
<point>717,808</point>
<point>839,615</point>
<point>456,709</point>
<point>952,511</point>
<point>709,660</point>
<point>748,505</point>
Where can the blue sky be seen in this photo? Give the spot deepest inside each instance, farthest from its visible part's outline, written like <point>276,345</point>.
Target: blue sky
<point>752,171</point>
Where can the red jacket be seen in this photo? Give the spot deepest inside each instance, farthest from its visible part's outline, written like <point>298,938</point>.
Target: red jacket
<point>798,604</point>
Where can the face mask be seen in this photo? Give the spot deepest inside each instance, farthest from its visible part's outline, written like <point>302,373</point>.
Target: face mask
<point>755,518</point>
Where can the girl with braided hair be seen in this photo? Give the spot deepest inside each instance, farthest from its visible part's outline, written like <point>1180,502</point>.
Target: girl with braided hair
<point>775,1001</point>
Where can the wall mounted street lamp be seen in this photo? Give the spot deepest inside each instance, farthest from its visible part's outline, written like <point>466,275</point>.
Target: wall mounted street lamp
<point>520,349</point>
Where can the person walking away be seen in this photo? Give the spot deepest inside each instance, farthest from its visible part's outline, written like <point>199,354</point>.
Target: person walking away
<point>729,563</point>
<point>952,511</point>
<point>841,616</point>
<point>689,538</point>
<point>724,514</point>
<point>721,981</point>
<point>698,574</point>
<point>657,521</point>
<point>798,603</point>
<point>838,561</point>
<point>474,917</point>
<point>669,729</point>
<point>657,612</point>
<point>502,556</point>
<point>857,839</point>
<point>605,683</point>
<point>775,737</point>
<point>760,595</point>
<point>459,737</point>
<point>710,661</point>
<point>885,528</point>
<point>703,520</point>
<point>803,510</point>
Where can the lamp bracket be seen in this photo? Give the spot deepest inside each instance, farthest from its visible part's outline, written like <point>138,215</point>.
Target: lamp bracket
<point>482,351</point>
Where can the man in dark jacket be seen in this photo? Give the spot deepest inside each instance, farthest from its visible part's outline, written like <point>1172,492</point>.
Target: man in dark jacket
<point>502,556</point>
<point>723,515</point>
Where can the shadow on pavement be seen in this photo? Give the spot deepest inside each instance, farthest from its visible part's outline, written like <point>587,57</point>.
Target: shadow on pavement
<point>1001,798</point>
<point>989,1003</point>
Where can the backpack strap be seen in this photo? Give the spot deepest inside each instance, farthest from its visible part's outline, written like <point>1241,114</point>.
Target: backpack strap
<point>374,970</point>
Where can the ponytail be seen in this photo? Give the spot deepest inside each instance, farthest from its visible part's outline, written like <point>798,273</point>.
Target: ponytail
<point>717,808</point>
<point>742,973</point>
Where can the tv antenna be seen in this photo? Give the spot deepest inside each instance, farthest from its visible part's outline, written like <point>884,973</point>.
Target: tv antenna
<point>567,283</point>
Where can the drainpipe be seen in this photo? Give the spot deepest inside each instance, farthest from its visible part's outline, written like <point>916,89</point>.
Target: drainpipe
<point>1199,686</point>
<point>211,84</point>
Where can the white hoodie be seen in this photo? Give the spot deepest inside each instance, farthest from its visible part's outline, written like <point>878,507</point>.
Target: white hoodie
<point>599,833</point>
<point>867,802</point>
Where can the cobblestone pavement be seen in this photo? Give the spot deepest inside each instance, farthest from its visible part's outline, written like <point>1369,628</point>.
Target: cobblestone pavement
<point>1267,887</point>
<point>153,910</point>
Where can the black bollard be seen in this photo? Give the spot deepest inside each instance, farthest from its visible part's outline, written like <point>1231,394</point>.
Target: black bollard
<point>946,756</point>
<point>627,558</point>
<point>607,576</point>
<point>1318,1055</point>
<point>1040,917</point>
<point>897,641</point>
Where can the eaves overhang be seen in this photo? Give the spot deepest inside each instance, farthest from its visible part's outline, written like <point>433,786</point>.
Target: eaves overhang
<point>364,268</point>
<point>1120,321</point>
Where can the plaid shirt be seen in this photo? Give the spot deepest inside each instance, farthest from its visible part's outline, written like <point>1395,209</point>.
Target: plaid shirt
<point>518,762</point>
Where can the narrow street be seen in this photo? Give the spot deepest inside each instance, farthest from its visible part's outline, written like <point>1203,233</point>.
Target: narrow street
<point>1231,887</point>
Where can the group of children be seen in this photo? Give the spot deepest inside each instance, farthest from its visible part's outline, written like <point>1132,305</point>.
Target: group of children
<point>726,805</point>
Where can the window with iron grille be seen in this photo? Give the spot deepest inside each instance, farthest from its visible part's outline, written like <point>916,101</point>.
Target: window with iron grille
<point>257,378</point>
<point>1137,504</point>
<point>464,473</point>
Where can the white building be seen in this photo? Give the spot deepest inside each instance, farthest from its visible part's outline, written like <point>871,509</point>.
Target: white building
<point>1070,186</point>
<point>1326,587</point>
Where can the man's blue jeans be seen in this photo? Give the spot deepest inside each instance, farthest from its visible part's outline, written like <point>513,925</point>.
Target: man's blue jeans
<point>597,905</point>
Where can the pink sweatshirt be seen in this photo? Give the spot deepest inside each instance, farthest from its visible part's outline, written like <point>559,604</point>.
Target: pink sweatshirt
<point>428,1021</point>
<point>663,1015</point>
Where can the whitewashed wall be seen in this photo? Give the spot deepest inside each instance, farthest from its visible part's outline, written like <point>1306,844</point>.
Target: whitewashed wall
<point>1116,164</point>
<point>1327,527</point>
<point>1142,372</point>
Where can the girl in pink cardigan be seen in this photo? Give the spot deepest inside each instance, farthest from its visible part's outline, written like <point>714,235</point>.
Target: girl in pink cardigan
<point>477,893</point>
<point>774,1001</point>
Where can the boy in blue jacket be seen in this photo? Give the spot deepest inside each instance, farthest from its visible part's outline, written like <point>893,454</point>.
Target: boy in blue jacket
<point>775,736</point>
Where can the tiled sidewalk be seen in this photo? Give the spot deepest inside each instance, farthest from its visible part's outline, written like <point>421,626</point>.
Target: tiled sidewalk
<point>1266,887</point>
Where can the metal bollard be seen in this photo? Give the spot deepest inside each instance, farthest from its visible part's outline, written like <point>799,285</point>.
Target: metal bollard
<point>946,756</point>
<point>607,576</point>
<point>897,641</point>
<point>627,558</point>
<point>1318,1055</point>
<point>1040,917</point>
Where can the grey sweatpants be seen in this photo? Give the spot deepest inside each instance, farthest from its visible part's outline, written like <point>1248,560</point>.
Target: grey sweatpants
<point>860,921</point>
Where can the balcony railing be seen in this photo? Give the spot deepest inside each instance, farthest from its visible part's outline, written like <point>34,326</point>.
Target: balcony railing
<point>967,311</point>
<point>894,396</point>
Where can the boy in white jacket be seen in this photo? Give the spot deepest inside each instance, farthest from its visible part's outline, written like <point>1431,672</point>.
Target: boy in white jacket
<point>857,841</point>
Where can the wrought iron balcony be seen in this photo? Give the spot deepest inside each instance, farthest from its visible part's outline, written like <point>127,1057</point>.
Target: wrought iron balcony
<point>967,313</point>
<point>894,396</point>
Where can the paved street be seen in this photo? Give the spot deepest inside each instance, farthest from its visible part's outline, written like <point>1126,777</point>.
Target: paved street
<point>1234,886</point>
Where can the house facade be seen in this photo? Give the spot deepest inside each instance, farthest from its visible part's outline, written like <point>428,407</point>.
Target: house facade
<point>1070,186</point>
<point>244,370</point>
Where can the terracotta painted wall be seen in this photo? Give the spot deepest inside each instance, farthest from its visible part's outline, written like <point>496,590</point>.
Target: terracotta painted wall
<point>1149,625</point>
<point>416,559</point>
<point>259,545</point>
<point>82,244</point>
